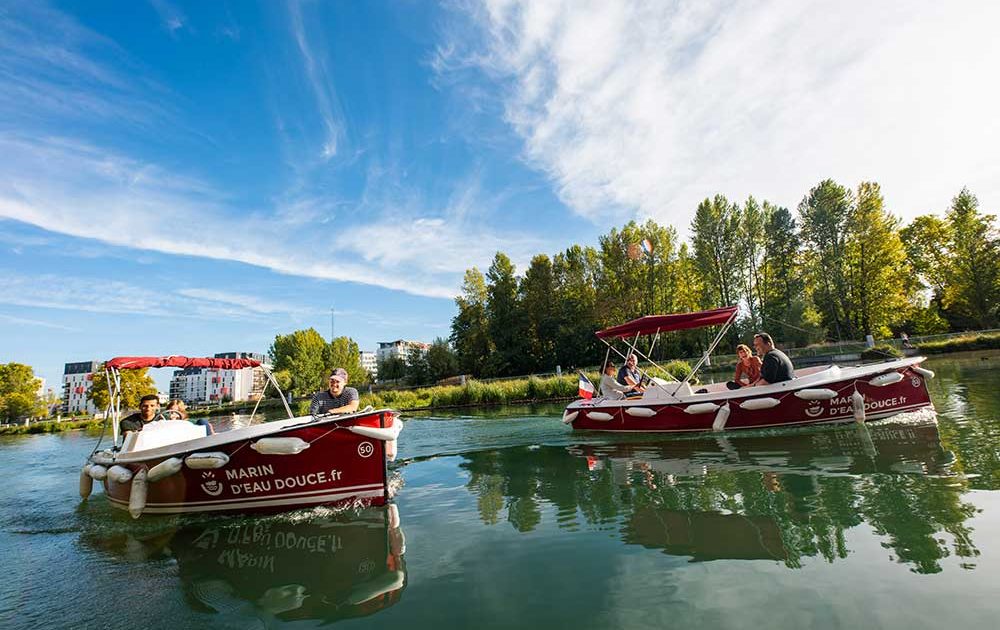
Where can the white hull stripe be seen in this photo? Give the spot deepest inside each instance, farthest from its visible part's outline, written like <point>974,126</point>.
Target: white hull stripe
<point>182,508</point>
<point>871,416</point>
<point>367,486</point>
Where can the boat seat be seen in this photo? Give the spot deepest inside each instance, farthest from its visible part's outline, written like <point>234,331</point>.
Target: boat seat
<point>666,388</point>
<point>162,433</point>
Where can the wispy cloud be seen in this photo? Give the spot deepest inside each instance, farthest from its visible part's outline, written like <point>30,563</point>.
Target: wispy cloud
<point>20,321</point>
<point>320,82</point>
<point>648,107</point>
<point>173,19</point>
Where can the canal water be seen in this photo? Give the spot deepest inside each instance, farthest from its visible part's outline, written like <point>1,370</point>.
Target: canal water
<point>508,519</point>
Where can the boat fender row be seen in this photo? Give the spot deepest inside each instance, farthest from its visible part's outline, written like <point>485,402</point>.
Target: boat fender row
<point>759,403</point>
<point>387,434</point>
<point>569,416</point>
<point>86,482</point>
<point>640,412</point>
<point>98,472</point>
<point>119,474</point>
<point>922,371</point>
<point>169,466</point>
<point>137,497</point>
<point>280,446</point>
<point>202,461</point>
<point>886,379</point>
<point>720,418</point>
<point>705,407</point>
<point>858,402</point>
<point>599,415</point>
<point>104,458</point>
<point>815,394</point>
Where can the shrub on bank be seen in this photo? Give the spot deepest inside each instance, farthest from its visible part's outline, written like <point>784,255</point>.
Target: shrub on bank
<point>961,344</point>
<point>49,426</point>
<point>883,351</point>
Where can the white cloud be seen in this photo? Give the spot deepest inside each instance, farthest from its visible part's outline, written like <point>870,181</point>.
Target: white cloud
<point>320,83</point>
<point>648,107</point>
<point>10,319</point>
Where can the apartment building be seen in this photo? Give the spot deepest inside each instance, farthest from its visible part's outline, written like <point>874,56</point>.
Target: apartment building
<point>76,382</point>
<point>212,385</point>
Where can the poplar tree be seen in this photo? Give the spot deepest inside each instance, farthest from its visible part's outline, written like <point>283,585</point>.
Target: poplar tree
<point>469,329</point>
<point>537,290</point>
<point>975,262</point>
<point>504,318</point>
<point>576,272</point>
<point>824,214</point>
<point>717,249</point>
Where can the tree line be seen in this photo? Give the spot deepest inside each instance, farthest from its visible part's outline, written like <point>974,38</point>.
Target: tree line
<point>840,267</point>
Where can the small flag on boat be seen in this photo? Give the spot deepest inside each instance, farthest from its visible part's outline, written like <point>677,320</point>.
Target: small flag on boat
<point>586,388</point>
<point>647,246</point>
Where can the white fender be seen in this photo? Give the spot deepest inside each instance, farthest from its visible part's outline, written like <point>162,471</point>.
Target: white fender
<point>98,472</point>
<point>569,416</point>
<point>815,394</point>
<point>922,371</point>
<point>759,403</point>
<point>390,432</point>
<point>705,407</point>
<point>103,458</point>
<point>119,474</point>
<point>390,450</point>
<point>201,461</point>
<point>165,468</point>
<point>640,412</point>
<point>137,497</point>
<point>886,379</point>
<point>393,513</point>
<point>599,415</point>
<point>86,482</point>
<point>720,418</point>
<point>280,446</point>
<point>858,402</point>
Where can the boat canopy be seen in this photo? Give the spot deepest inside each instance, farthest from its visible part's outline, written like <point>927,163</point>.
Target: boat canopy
<point>653,324</point>
<point>175,361</point>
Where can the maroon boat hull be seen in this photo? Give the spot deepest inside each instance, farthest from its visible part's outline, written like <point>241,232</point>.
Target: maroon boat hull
<point>338,467</point>
<point>907,395</point>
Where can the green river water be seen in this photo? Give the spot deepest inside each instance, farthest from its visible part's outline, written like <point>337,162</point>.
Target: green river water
<point>509,519</point>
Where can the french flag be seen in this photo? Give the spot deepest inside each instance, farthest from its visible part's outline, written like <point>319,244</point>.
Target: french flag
<point>585,388</point>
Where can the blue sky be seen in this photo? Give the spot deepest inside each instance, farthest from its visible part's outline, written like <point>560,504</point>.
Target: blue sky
<point>192,178</point>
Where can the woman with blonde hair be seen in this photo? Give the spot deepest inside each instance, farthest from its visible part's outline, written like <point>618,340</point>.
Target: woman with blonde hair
<point>747,368</point>
<point>177,410</point>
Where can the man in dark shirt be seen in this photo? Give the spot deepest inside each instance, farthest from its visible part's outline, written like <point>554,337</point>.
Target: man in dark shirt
<point>776,366</point>
<point>338,399</point>
<point>148,406</point>
<point>630,375</point>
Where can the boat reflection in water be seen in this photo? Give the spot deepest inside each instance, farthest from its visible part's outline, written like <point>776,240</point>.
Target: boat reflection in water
<point>325,568</point>
<point>780,497</point>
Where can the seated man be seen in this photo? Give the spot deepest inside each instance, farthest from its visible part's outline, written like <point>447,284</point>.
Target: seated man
<point>337,399</point>
<point>630,374</point>
<point>775,367</point>
<point>610,387</point>
<point>148,406</point>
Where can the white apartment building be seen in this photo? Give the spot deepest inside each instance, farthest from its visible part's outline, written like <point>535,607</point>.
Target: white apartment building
<point>399,348</point>
<point>212,385</point>
<point>76,382</point>
<point>369,361</point>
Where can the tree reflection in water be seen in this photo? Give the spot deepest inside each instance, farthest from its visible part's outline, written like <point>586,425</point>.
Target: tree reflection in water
<point>780,497</point>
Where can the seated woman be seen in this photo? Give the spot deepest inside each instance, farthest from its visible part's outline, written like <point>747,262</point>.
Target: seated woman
<point>747,368</point>
<point>177,410</point>
<point>611,388</point>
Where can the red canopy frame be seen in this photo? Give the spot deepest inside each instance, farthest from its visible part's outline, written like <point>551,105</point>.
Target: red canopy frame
<point>652,324</point>
<point>175,361</point>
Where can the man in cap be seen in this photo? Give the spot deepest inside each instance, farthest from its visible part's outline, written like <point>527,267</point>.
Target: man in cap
<point>338,399</point>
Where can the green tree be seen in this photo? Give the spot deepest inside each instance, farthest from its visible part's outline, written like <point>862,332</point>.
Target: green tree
<point>825,213</point>
<point>718,249</point>
<point>540,314</point>
<point>754,220</point>
<point>575,273</point>
<point>391,369</point>
<point>418,370</point>
<point>975,262</point>
<point>302,354</point>
<point>134,385</point>
<point>880,283</point>
<point>343,352</point>
<point>441,360</point>
<point>18,392</point>
<point>469,329</point>
<point>504,318</point>
<point>927,240</point>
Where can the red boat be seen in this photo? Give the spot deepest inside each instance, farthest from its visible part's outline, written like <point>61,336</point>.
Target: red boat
<point>816,395</point>
<point>172,466</point>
